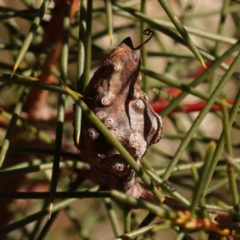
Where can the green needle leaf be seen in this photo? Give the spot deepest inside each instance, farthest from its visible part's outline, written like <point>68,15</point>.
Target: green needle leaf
<point>13,123</point>
<point>200,117</point>
<point>35,24</point>
<point>109,15</point>
<point>175,20</point>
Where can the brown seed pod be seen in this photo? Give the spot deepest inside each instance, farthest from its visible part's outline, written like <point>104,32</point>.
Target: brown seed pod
<point>120,104</point>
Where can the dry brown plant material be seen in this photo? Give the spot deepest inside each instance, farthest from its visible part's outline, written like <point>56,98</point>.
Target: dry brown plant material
<point>119,102</point>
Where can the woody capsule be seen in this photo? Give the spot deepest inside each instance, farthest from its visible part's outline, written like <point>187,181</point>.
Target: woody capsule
<point>115,96</point>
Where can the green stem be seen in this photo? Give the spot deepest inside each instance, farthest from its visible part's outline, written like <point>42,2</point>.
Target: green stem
<point>200,118</point>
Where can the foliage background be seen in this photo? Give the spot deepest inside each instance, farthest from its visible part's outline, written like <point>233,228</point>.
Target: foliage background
<point>33,129</point>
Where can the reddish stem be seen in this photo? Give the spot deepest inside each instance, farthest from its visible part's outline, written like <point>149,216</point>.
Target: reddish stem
<point>187,107</point>
<point>36,104</point>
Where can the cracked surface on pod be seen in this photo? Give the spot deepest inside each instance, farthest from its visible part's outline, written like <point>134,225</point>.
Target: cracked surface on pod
<point>118,101</point>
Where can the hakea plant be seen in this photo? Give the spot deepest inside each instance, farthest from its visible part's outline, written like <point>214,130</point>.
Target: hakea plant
<point>115,125</point>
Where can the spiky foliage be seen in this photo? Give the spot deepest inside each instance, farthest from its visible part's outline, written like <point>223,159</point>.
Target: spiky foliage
<point>193,172</point>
